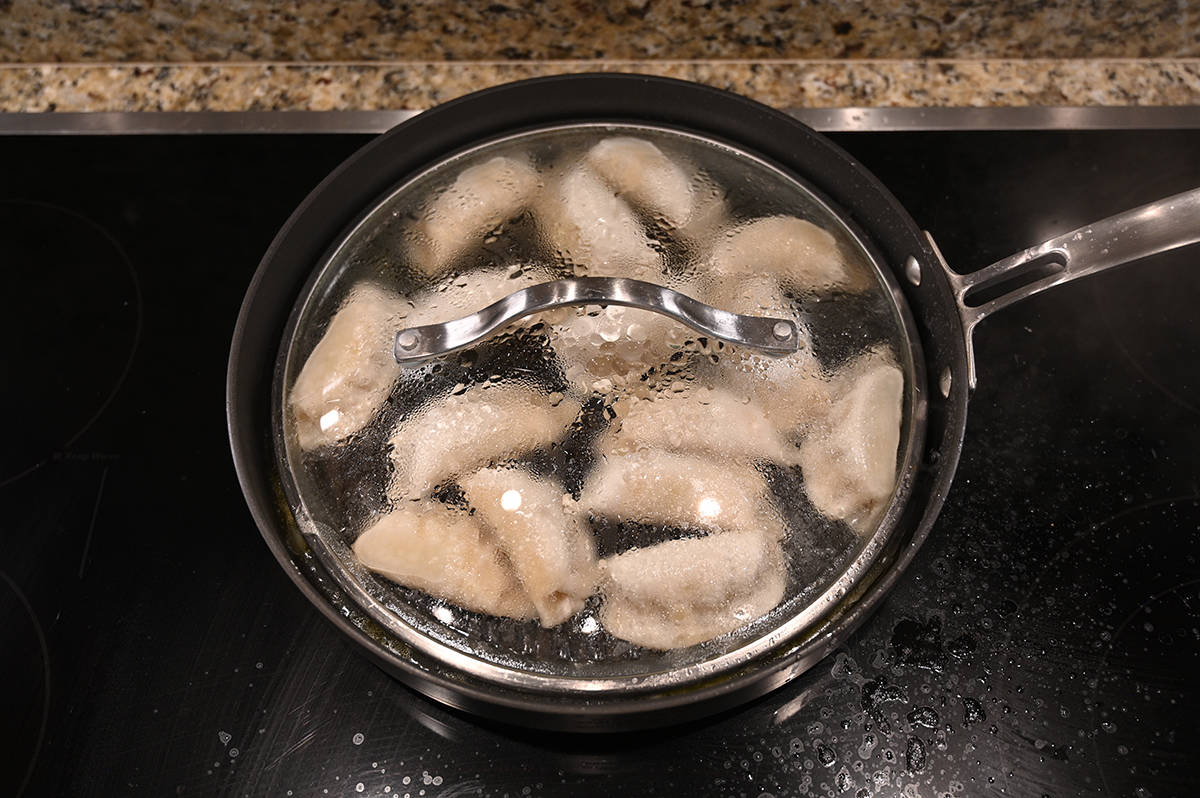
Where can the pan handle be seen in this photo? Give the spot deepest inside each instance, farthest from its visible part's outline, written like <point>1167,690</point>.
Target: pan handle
<point>1160,226</point>
<point>770,336</point>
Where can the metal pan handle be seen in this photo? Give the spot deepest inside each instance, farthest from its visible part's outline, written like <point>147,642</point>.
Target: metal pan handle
<point>767,335</point>
<point>1160,226</point>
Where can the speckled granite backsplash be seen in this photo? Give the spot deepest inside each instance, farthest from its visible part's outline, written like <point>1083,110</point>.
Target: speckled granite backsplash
<point>377,54</point>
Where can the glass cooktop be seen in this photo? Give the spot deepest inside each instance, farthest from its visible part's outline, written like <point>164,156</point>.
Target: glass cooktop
<point>1043,643</point>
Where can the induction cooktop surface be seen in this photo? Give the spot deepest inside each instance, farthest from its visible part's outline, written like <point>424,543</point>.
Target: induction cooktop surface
<point>1044,642</point>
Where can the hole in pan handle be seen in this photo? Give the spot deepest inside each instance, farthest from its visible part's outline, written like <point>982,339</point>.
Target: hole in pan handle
<point>767,335</point>
<point>1126,237</point>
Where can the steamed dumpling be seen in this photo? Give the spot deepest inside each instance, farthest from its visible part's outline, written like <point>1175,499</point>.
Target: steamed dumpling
<point>551,552</point>
<point>614,343</point>
<point>351,371</point>
<point>461,433</point>
<point>711,422</point>
<point>793,390</point>
<point>850,468</point>
<point>463,294</point>
<point>748,294</point>
<point>595,229</point>
<point>446,553</point>
<point>684,592</point>
<point>709,216</point>
<point>477,201</point>
<point>640,171</point>
<point>657,487</point>
<point>792,250</point>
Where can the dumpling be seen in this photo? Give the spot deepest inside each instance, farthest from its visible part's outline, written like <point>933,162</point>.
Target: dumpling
<point>749,294</point>
<point>614,343</point>
<point>684,592</point>
<point>477,201</point>
<point>551,552</point>
<point>710,422</point>
<point>461,433</point>
<point>663,488</point>
<point>850,468</point>
<point>792,391</point>
<point>592,227</point>
<point>790,249</point>
<point>709,216</point>
<point>639,171</point>
<point>463,294</point>
<point>351,371</point>
<point>446,553</point>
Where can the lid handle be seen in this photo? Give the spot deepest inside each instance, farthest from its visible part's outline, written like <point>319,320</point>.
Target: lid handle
<point>769,336</point>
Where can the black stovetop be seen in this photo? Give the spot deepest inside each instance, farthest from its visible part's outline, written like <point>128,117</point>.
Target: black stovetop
<point>1045,641</point>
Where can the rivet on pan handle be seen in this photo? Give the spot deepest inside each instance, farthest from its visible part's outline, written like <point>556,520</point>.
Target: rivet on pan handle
<point>767,335</point>
<point>1126,237</point>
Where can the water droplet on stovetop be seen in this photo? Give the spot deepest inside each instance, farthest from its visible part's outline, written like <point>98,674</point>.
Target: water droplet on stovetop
<point>972,711</point>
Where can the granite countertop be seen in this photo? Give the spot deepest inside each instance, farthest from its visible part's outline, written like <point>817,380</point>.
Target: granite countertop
<point>110,55</point>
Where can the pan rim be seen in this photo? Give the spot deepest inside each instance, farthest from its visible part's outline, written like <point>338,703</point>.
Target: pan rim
<point>776,670</point>
<point>803,616</point>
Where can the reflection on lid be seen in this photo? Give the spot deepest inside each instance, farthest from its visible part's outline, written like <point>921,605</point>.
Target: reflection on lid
<point>511,500</point>
<point>329,419</point>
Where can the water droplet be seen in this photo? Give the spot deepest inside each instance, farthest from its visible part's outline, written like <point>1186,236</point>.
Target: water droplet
<point>923,716</point>
<point>825,755</point>
<point>972,711</point>
<point>358,738</point>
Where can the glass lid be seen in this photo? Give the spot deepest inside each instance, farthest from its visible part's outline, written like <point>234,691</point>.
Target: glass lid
<point>597,496</point>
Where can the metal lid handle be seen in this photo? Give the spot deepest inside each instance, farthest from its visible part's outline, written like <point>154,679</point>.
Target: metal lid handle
<point>767,335</point>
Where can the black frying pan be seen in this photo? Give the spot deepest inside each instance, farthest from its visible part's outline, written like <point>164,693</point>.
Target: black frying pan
<point>945,307</point>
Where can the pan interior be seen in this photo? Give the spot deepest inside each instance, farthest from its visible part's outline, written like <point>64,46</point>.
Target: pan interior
<point>588,359</point>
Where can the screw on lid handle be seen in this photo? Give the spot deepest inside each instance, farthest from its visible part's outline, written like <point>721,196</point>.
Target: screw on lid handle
<point>767,335</point>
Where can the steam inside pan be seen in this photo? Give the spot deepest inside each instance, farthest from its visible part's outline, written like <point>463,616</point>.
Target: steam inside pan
<point>595,492</point>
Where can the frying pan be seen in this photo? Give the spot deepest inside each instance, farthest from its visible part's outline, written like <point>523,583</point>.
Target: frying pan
<point>942,305</point>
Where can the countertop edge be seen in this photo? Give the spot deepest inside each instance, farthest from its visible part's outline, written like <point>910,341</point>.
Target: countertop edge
<point>388,86</point>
